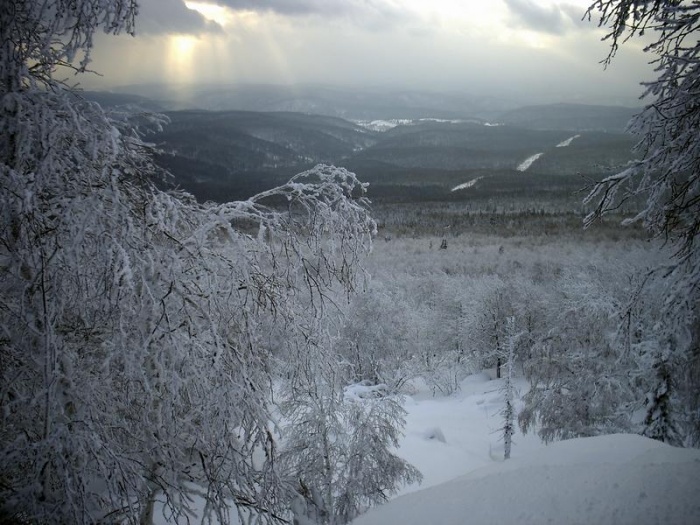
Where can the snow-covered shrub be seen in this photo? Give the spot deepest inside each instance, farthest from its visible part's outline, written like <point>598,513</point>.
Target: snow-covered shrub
<point>576,370</point>
<point>337,450</point>
<point>381,336</point>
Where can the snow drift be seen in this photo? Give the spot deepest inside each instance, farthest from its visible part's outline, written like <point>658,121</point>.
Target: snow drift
<point>617,479</point>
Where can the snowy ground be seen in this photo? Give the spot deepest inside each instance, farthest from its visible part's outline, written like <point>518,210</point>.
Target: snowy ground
<point>385,125</point>
<point>446,437</point>
<point>619,479</point>
<point>454,441</point>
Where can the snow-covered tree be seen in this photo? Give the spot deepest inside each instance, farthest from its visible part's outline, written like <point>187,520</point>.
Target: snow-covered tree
<point>579,383</point>
<point>134,359</point>
<point>337,450</point>
<point>493,303</point>
<point>667,174</point>
<point>659,420</point>
<point>495,306</point>
<point>380,335</point>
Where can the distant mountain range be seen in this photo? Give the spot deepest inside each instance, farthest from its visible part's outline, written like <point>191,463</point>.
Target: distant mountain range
<point>578,117</point>
<point>320,100</point>
<point>358,104</point>
<point>108,99</point>
<point>234,154</point>
<point>545,152</point>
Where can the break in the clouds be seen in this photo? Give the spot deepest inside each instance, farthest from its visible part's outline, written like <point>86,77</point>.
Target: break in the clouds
<point>554,19</point>
<point>157,17</point>
<point>531,48</point>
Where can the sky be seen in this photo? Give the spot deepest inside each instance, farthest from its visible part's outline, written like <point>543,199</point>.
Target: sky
<point>474,46</point>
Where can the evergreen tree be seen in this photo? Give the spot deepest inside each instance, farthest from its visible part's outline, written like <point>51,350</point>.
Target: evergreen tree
<point>508,411</point>
<point>667,174</point>
<point>659,422</point>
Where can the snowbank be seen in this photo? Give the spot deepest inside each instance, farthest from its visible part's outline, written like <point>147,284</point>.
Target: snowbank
<point>618,479</point>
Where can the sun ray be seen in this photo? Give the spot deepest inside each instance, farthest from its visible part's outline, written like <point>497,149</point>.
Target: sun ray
<point>277,55</point>
<point>180,57</point>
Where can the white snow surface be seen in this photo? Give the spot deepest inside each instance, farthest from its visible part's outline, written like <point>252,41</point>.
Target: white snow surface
<point>524,165</point>
<point>387,124</point>
<point>382,125</point>
<point>364,390</point>
<point>567,142</point>
<point>466,185</point>
<point>615,479</point>
<point>455,442</point>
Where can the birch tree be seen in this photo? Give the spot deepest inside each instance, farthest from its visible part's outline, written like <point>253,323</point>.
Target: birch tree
<point>134,362</point>
<point>338,450</point>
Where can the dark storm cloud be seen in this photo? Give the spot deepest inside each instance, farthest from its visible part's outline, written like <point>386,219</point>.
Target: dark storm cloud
<point>171,16</point>
<point>292,7</point>
<point>374,12</point>
<point>555,19</point>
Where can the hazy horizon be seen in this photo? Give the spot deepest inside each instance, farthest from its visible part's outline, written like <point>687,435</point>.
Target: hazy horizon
<point>537,51</point>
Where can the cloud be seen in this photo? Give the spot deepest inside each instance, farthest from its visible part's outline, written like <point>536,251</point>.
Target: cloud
<point>555,19</point>
<point>292,7</point>
<point>172,16</point>
<point>370,13</point>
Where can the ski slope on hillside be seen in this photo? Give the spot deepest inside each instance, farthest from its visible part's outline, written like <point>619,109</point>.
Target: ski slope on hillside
<point>567,142</point>
<point>524,165</point>
<point>466,185</point>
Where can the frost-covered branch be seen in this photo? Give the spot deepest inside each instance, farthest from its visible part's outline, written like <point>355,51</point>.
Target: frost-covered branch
<point>136,325</point>
<point>667,174</point>
<point>338,448</point>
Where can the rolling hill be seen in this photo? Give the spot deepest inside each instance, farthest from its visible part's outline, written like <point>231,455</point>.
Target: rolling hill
<point>225,155</point>
<point>579,117</point>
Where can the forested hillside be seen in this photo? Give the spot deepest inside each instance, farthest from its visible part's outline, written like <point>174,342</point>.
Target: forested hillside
<point>571,116</point>
<point>224,155</point>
